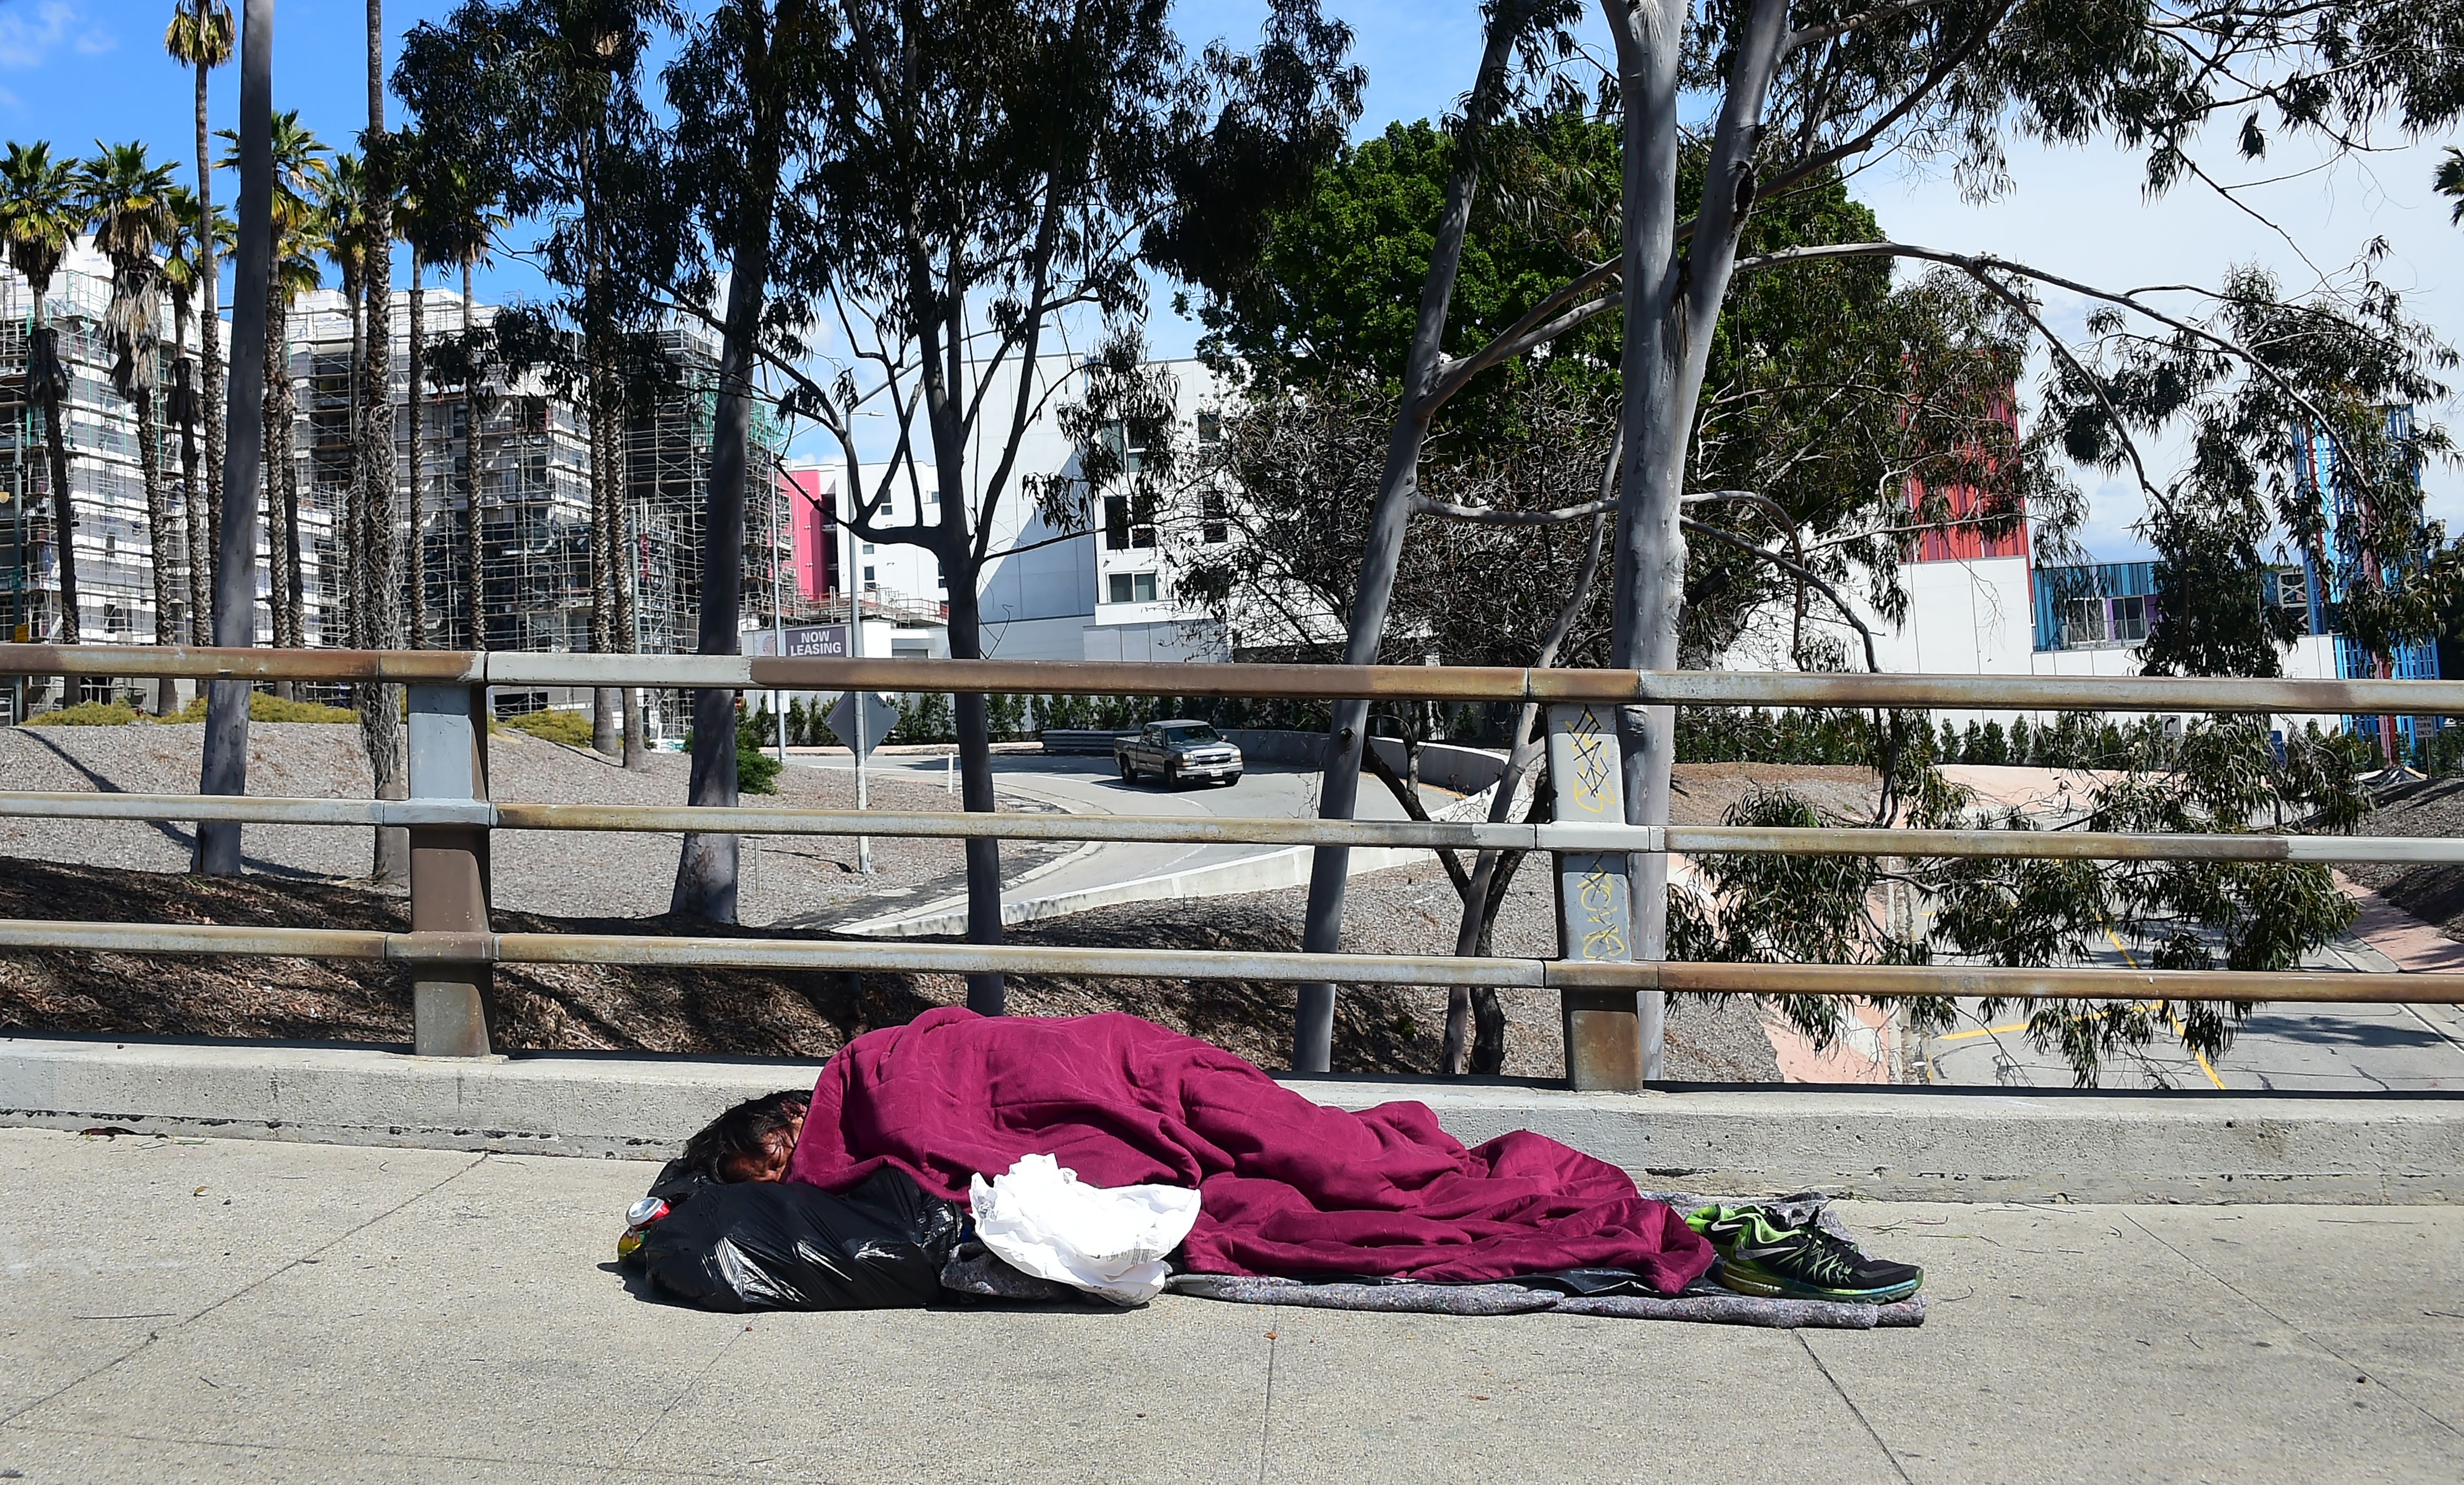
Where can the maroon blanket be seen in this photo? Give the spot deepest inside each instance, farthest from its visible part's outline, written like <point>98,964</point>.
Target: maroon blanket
<point>1287,1187</point>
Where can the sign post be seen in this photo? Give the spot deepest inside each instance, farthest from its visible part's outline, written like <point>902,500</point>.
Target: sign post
<point>1594,901</point>
<point>861,728</point>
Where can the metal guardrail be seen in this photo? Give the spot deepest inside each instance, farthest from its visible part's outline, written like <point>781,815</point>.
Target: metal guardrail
<point>1188,964</point>
<point>452,951</point>
<point>1243,830</point>
<point>1299,683</point>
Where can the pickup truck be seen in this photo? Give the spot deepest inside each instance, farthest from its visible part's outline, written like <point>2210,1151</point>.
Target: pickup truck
<point>1176,751</point>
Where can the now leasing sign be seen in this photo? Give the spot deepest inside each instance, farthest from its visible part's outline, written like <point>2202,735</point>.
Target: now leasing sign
<point>819,641</point>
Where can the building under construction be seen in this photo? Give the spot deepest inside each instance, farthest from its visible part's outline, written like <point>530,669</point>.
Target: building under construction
<point>112,547</point>
<point>531,451</point>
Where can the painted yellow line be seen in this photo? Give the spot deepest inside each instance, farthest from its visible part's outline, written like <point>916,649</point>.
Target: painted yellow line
<point>1983,1031</point>
<point>2199,1057</point>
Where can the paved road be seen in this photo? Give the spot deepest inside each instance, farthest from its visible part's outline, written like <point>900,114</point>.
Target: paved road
<point>1090,785</point>
<point>2294,1046</point>
<point>175,1311</point>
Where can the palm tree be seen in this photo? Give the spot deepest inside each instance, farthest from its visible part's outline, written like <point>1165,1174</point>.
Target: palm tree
<point>341,202</point>
<point>128,197</point>
<point>297,238</point>
<point>185,254</point>
<point>429,184</point>
<point>202,34</point>
<point>42,216</point>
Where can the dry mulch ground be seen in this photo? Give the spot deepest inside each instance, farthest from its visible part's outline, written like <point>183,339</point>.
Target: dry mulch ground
<point>610,884</point>
<point>763,1013</point>
<point>2432,893</point>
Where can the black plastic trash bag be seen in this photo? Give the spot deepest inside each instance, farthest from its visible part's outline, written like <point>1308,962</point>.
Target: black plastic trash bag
<point>782,1245</point>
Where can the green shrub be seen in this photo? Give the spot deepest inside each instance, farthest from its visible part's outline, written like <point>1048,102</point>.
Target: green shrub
<point>557,726</point>
<point>88,714</point>
<point>265,708</point>
<point>755,771</point>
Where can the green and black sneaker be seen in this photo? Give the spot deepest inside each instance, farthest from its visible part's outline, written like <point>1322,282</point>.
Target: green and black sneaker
<point>1761,1254</point>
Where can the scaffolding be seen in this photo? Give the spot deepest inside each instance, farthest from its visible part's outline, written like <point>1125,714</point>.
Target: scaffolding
<point>114,549</point>
<point>667,486</point>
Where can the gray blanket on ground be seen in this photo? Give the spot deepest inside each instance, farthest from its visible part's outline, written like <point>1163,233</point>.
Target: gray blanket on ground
<point>975,1271</point>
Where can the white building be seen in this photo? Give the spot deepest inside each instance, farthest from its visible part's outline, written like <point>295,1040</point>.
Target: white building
<point>1100,591</point>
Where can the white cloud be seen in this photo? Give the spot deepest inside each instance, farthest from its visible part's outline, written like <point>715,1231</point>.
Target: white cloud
<point>28,36</point>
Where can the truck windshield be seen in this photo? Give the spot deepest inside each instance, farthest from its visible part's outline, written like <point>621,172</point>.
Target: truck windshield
<point>1190,734</point>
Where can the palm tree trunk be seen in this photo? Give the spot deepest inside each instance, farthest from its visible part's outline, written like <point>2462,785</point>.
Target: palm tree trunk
<point>201,603</point>
<point>160,532</point>
<point>281,513</point>
<point>350,543</point>
<point>209,325</point>
<point>380,707</point>
<point>63,499</point>
<point>475,577</point>
<point>606,710</point>
<point>625,569</point>
<point>418,581</point>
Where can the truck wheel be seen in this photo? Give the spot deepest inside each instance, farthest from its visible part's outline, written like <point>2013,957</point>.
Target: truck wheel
<point>1229,779</point>
<point>1128,774</point>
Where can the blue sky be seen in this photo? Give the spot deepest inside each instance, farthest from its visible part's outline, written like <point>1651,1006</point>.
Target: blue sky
<point>73,71</point>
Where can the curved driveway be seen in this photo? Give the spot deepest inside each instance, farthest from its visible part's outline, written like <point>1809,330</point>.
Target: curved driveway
<point>1089,785</point>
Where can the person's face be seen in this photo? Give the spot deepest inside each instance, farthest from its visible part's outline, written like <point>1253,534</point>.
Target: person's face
<point>770,1164</point>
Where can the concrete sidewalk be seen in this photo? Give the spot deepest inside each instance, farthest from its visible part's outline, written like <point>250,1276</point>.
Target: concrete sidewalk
<point>204,1309</point>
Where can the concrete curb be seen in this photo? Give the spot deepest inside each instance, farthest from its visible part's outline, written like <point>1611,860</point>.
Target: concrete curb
<point>1905,1144</point>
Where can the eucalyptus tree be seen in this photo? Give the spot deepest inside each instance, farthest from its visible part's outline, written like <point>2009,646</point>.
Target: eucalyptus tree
<point>539,103</point>
<point>203,36</point>
<point>128,197</point>
<point>183,267</point>
<point>745,88</point>
<point>984,175</point>
<point>1793,94</point>
<point>41,214</point>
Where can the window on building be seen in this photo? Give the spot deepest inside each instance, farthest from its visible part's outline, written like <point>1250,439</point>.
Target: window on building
<point>2083,623</point>
<point>1210,427</point>
<point>867,578</point>
<point>2292,593</point>
<point>2129,618</point>
<point>868,549</point>
<point>1117,523</point>
<point>1116,587</point>
<point>1142,531</point>
<point>1130,587</point>
<point>1215,516</point>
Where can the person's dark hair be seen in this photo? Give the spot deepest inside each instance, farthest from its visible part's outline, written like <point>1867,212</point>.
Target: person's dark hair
<point>742,1130</point>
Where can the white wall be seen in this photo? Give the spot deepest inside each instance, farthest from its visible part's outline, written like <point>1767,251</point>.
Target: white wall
<point>1976,618</point>
<point>1170,639</point>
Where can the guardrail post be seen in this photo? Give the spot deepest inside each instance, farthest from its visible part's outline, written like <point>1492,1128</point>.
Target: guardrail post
<point>1594,901</point>
<point>451,1003</point>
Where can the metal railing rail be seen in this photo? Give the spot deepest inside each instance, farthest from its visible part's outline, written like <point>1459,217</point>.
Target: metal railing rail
<point>1241,830</point>
<point>641,951</point>
<point>450,948</point>
<point>1299,683</point>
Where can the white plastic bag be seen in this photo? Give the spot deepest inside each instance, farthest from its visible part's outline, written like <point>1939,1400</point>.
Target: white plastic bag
<point>1110,1241</point>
